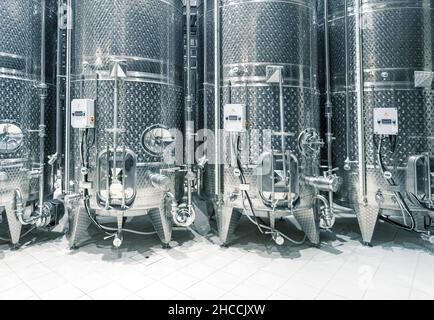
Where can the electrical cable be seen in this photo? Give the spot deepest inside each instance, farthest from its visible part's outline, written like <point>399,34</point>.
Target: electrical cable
<point>107,229</point>
<point>419,202</point>
<point>86,192</point>
<point>93,220</point>
<point>85,159</point>
<point>398,196</point>
<point>141,233</point>
<point>261,225</point>
<point>244,181</point>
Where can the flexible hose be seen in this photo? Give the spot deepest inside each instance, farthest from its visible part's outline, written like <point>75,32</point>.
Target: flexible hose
<point>243,181</point>
<point>261,226</point>
<point>401,202</point>
<point>277,231</point>
<point>131,231</point>
<point>107,230</point>
<point>96,223</point>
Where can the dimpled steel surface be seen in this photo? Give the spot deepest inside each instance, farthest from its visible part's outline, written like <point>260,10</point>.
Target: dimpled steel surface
<point>20,49</point>
<point>256,34</point>
<point>147,35</point>
<point>397,40</point>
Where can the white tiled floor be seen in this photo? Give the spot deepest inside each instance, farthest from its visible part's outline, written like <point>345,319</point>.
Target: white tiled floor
<point>399,266</point>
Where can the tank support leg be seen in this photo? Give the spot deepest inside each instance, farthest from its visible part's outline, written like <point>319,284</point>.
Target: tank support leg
<point>309,224</point>
<point>367,217</point>
<point>14,225</point>
<point>80,223</point>
<point>162,224</point>
<point>227,220</point>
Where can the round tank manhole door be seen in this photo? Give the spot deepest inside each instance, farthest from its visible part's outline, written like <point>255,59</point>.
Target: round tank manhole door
<point>11,137</point>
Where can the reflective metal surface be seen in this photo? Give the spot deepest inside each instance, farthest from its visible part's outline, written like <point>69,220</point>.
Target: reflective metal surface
<point>389,41</point>
<point>254,36</point>
<point>128,57</point>
<point>20,74</point>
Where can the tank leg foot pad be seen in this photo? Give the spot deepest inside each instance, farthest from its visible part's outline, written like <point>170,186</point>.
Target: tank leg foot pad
<point>162,225</point>
<point>308,222</point>
<point>15,247</point>
<point>227,221</point>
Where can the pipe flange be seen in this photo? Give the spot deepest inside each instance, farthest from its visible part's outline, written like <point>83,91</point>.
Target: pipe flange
<point>184,216</point>
<point>327,223</point>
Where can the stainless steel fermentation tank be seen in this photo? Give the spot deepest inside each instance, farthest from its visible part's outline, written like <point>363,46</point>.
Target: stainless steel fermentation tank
<point>26,113</point>
<point>381,59</point>
<point>127,62</point>
<point>265,68</point>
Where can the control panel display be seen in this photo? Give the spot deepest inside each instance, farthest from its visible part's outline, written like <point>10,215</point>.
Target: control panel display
<point>386,121</point>
<point>235,118</point>
<point>83,114</point>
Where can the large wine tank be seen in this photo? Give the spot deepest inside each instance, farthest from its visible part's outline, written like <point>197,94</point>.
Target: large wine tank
<point>128,103</point>
<point>269,110</point>
<point>381,58</point>
<point>26,91</point>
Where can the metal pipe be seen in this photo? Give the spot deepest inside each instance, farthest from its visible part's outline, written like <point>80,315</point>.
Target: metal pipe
<point>326,184</point>
<point>188,48</point>
<point>59,113</point>
<point>360,102</point>
<point>327,52</point>
<point>43,34</point>
<point>329,105</point>
<point>115,121</point>
<point>38,219</point>
<point>205,62</point>
<point>327,216</point>
<point>68,97</point>
<point>323,200</point>
<point>282,125</point>
<point>43,101</point>
<point>205,95</point>
<point>19,207</point>
<point>347,82</point>
<point>189,111</point>
<point>217,79</point>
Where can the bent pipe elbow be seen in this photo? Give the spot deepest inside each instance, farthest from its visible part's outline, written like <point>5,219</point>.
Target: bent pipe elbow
<point>19,208</point>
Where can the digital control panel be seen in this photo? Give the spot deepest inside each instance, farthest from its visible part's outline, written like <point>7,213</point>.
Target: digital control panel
<point>235,118</point>
<point>386,121</point>
<point>83,114</point>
